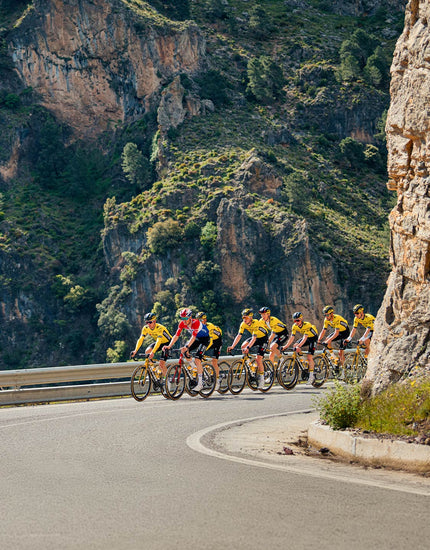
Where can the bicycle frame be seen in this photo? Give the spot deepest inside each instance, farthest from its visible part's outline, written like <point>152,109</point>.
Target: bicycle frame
<point>185,368</point>
<point>244,370</point>
<point>355,364</point>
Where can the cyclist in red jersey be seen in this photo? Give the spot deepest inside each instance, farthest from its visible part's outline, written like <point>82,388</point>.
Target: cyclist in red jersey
<point>199,340</point>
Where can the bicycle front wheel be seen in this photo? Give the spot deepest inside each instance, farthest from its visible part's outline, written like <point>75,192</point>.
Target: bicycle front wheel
<point>269,375</point>
<point>140,383</point>
<point>224,368</point>
<point>320,372</point>
<point>236,377</point>
<point>175,382</point>
<point>288,373</point>
<point>209,380</point>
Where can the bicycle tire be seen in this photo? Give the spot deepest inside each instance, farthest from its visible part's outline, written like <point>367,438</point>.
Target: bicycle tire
<point>209,380</point>
<point>236,377</point>
<point>269,375</point>
<point>361,368</point>
<point>288,373</point>
<point>175,382</point>
<point>140,383</point>
<point>224,368</point>
<point>251,375</point>
<point>321,370</point>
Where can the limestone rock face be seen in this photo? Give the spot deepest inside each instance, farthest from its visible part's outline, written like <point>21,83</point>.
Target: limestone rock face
<point>402,330</point>
<point>95,63</point>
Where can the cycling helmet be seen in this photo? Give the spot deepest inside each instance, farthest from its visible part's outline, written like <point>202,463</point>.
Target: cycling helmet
<point>149,317</point>
<point>247,312</point>
<point>264,310</point>
<point>297,315</point>
<point>357,308</point>
<point>328,309</point>
<point>185,313</point>
<point>201,315</point>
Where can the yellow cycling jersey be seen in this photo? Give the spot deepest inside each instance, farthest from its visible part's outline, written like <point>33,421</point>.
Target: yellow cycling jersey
<point>337,322</point>
<point>160,334</point>
<point>275,325</point>
<point>214,331</point>
<point>306,328</point>
<point>256,328</point>
<point>367,321</point>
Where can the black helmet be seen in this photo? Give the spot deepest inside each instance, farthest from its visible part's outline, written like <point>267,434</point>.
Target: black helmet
<point>297,315</point>
<point>264,310</point>
<point>150,317</point>
<point>201,315</point>
<point>247,312</point>
<point>357,308</point>
<point>328,309</point>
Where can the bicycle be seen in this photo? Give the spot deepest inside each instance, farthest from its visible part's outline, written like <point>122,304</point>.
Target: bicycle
<point>294,365</point>
<point>355,364</point>
<point>244,370</point>
<point>183,377</point>
<point>334,369</point>
<point>145,376</point>
<point>224,368</point>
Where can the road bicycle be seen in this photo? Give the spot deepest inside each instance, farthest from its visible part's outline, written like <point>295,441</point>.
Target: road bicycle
<point>182,376</point>
<point>244,371</point>
<point>224,368</point>
<point>291,368</point>
<point>355,363</point>
<point>146,376</point>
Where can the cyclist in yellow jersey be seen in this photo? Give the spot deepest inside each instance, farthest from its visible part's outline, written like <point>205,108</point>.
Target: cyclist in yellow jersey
<point>215,344</point>
<point>161,336</point>
<point>366,320</point>
<point>259,336</point>
<point>340,333</point>
<point>309,337</point>
<point>279,332</point>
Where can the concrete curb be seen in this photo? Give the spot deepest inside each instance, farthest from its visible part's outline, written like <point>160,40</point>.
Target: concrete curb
<point>380,452</point>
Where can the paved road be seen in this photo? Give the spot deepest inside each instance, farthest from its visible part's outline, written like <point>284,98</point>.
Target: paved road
<point>117,474</point>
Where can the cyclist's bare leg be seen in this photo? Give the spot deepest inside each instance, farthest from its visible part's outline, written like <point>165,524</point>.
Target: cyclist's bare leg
<point>215,366</point>
<point>341,357</point>
<point>163,367</point>
<point>274,352</point>
<point>367,348</point>
<point>310,358</point>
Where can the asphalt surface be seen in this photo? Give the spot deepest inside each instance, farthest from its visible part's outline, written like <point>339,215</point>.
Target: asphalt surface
<point>117,474</point>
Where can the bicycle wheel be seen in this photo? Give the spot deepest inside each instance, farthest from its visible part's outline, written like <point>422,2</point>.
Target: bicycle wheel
<point>209,380</point>
<point>175,381</point>
<point>224,367</point>
<point>350,368</point>
<point>320,372</point>
<point>361,368</point>
<point>269,375</point>
<point>236,377</point>
<point>251,375</point>
<point>288,373</point>
<point>140,383</point>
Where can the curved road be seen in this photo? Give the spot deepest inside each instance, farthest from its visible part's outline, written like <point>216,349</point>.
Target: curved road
<point>117,474</point>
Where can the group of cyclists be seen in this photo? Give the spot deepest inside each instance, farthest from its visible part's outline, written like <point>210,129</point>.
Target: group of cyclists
<point>266,333</point>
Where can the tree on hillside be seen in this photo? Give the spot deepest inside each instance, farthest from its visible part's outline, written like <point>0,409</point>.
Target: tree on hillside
<point>265,79</point>
<point>135,166</point>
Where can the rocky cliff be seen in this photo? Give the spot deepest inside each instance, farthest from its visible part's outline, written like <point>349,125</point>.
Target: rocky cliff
<point>100,63</point>
<point>402,330</point>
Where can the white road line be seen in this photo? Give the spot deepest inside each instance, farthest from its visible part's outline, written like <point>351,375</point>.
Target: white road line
<point>337,473</point>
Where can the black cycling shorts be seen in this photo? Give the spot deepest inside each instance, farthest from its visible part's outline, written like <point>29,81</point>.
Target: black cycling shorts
<point>311,342</point>
<point>341,337</point>
<point>260,344</point>
<point>200,345</point>
<point>216,348</point>
<point>281,337</point>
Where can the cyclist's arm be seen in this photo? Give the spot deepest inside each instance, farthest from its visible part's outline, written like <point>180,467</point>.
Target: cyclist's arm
<point>366,334</point>
<point>172,341</point>
<point>250,343</point>
<point>335,333</point>
<point>235,342</point>
<point>290,341</point>
<point>353,331</point>
<point>321,336</point>
<point>138,345</point>
<point>302,341</point>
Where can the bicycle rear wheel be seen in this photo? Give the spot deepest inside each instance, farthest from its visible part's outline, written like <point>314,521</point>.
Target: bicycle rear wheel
<point>251,375</point>
<point>269,375</point>
<point>320,372</point>
<point>175,381</point>
<point>288,373</point>
<point>236,377</point>
<point>140,383</point>
<point>224,368</point>
<point>209,380</point>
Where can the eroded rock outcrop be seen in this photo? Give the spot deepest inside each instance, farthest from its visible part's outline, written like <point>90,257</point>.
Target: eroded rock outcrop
<point>402,331</point>
<point>96,63</point>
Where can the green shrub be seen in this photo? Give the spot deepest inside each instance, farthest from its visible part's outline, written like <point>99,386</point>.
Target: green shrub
<point>164,235</point>
<point>339,407</point>
<point>118,353</point>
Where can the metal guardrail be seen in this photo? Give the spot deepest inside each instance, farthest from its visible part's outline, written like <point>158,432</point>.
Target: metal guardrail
<point>43,385</point>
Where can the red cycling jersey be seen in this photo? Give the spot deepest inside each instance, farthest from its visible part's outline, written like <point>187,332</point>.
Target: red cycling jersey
<point>196,327</point>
